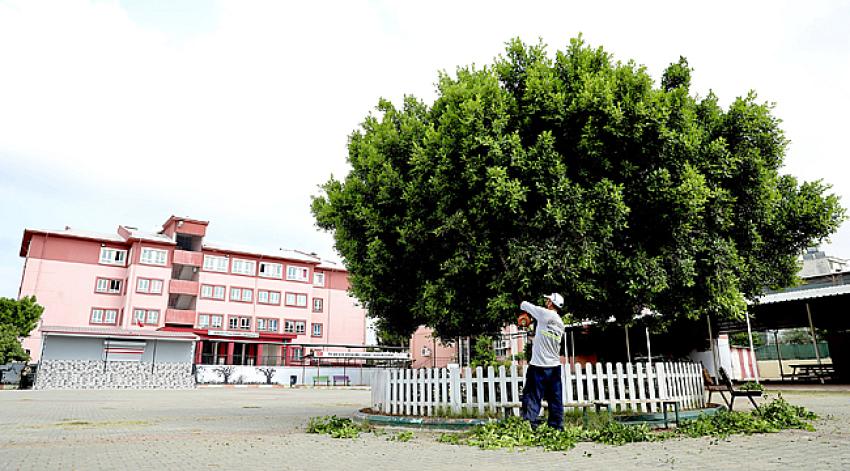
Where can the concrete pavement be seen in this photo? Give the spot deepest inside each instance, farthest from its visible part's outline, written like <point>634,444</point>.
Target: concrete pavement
<point>264,428</point>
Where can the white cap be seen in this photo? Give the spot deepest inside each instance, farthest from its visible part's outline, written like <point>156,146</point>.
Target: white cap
<point>556,299</point>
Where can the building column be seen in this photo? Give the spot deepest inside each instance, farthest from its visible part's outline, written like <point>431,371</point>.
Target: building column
<point>259,359</point>
<point>199,350</point>
<point>230,346</point>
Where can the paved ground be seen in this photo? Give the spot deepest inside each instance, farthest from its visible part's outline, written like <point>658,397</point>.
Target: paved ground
<point>263,428</point>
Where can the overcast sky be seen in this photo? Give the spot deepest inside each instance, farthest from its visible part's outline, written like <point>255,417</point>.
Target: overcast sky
<point>125,112</point>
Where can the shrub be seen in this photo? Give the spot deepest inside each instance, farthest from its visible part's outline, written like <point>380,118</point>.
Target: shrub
<point>336,427</point>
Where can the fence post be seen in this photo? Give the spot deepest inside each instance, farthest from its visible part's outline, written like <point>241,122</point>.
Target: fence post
<point>454,389</point>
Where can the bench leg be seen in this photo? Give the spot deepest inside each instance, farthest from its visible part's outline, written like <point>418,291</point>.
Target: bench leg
<point>725,401</point>
<point>664,406</point>
<point>585,418</point>
<point>676,411</point>
<point>754,402</point>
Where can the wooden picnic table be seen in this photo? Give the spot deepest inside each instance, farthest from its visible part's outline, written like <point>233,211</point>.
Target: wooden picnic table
<point>808,371</point>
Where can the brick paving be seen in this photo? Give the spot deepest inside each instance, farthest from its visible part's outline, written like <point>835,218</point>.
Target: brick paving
<point>263,428</point>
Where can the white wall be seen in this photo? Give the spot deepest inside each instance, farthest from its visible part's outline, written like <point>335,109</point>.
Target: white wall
<point>724,354</point>
<point>252,374</point>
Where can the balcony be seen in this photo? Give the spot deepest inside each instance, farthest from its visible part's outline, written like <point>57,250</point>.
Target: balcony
<point>183,287</point>
<point>184,257</point>
<point>179,316</point>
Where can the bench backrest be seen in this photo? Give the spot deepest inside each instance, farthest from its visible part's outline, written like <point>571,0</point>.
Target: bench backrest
<point>724,379</point>
<point>340,376</point>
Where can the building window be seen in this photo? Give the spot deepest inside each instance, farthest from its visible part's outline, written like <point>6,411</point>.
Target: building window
<point>209,321</point>
<point>297,353</point>
<point>154,256</point>
<point>267,325</point>
<point>104,316</point>
<point>243,267</point>
<point>300,327</point>
<point>317,330</point>
<point>148,286</point>
<point>271,270</point>
<point>215,263</point>
<point>289,327</point>
<point>319,279</point>
<point>268,297</point>
<point>245,295</point>
<point>239,323</point>
<point>113,256</point>
<point>501,347</point>
<point>212,292</point>
<point>294,273</point>
<point>296,299</point>
<point>108,286</point>
<point>317,304</point>
<point>146,316</point>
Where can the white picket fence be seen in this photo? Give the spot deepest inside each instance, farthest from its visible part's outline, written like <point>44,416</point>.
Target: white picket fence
<point>435,391</point>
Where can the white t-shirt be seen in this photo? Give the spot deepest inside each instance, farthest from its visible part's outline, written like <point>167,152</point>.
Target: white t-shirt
<point>546,348</point>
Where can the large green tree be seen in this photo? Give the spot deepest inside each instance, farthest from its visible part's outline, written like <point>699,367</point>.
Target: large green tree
<point>573,173</point>
<point>18,317</point>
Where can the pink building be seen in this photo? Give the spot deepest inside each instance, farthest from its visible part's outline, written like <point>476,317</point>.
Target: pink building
<point>427,351</point>
<point>248,307</point>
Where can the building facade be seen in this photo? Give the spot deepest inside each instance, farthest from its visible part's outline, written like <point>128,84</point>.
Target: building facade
<point>246,306</point>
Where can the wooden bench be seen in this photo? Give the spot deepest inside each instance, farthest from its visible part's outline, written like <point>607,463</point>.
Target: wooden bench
<point>322,379</point>
<point>726,386</point>
<point>342,379</point>
<point>812,372</point>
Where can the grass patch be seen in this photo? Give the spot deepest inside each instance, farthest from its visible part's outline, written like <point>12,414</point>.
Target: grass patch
<point>405,436</point>
<point>336,427</point>
<point>517,433</point>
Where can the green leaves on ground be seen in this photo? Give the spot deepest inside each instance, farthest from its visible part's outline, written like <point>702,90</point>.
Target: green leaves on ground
<point>570,172</point>
<point>517,433</point>
<point>336,427</point>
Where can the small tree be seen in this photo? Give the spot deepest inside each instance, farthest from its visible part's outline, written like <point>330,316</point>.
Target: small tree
<point>18,317</point>
<point>743,340</point>
<point>22,314</point>
<point>268,373</point>
<point>225,372</point>
<point>797,336</point>
<point>10,346</point>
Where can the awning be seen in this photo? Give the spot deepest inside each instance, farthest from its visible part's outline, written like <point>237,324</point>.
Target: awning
<point>111,332</point>
<point>801,294</point>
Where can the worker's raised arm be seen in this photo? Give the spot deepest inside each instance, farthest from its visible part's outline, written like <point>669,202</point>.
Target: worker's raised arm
<point>536,312</point>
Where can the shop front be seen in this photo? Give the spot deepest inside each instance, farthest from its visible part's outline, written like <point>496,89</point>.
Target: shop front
<point>223,347</point>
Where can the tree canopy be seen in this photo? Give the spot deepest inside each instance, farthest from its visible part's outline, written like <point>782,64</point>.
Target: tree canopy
<point>18,317</point>
<point>574,173</point>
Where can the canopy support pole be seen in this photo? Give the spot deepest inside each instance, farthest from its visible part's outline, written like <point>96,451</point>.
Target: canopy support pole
<point>713,351</point>
<point>752,349</point>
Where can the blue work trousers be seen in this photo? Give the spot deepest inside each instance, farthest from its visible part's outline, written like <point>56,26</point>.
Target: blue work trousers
<point>543,383</point>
